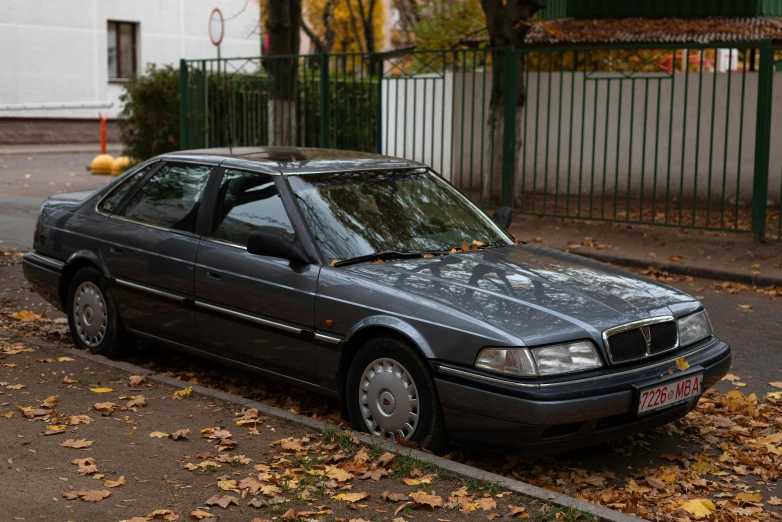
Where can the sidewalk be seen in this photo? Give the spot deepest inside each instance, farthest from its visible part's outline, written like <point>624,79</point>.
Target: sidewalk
<point>698,253</point>
<point>55,148</point>
<point>85,440</point>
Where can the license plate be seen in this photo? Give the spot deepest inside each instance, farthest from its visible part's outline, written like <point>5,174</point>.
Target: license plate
<point>670,393</point>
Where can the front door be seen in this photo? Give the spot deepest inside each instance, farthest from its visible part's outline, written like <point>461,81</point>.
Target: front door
<point>150,250</point>
<point>251,308</point>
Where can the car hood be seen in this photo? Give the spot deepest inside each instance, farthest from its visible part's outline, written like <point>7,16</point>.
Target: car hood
<point>72,196</point>
<point>537,294</point>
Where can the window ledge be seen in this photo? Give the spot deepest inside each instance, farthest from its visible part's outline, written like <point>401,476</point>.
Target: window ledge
<point>119,80</point>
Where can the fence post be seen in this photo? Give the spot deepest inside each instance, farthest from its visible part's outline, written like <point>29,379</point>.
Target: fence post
<point>184,141</point>
<point>762,143</point>
<point>509,126</point>
<point>324,100</point>
<point>380,106</point>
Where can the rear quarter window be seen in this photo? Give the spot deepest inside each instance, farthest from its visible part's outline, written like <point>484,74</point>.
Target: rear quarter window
<point>111,202</point>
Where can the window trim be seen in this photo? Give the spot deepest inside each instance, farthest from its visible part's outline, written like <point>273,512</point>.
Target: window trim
<point>134,45</point>
<point>206,196</point>
<point>209,221</point>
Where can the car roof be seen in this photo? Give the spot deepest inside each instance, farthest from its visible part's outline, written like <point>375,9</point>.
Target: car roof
<point>295,160</point>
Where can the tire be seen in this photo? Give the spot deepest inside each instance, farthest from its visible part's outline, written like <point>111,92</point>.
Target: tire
<point>92,316</point>
<point>385,370</point>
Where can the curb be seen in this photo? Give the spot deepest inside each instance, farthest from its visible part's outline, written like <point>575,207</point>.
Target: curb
<point>694,271</point>
<point>564,501</point>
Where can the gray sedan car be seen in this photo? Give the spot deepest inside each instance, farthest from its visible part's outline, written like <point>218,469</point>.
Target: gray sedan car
<point>372,280</point>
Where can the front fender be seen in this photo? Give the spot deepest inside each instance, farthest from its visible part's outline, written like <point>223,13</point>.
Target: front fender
<point>396,324</point>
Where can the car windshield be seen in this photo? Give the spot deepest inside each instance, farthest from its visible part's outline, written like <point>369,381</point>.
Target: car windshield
<point>359,213</point>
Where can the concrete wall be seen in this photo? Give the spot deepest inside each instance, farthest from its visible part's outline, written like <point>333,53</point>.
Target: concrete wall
<point>57,51</point>
<point>623,141</point>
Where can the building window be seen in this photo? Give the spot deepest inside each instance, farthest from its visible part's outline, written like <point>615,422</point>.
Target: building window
<point>122,50</point>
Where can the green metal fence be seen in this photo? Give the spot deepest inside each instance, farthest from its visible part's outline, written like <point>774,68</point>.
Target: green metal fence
<point>660,135</point>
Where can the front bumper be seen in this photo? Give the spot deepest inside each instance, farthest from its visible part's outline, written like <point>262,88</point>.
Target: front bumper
<point>43,273</point>
<point>567,414</point>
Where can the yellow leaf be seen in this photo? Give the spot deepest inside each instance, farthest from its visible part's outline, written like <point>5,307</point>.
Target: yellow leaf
<point>26,316</point>
<point>334,262</point>
<point>64,359</point>
<point>426,479</point>
<point>702,467</point>
<point>350,497</point>
<point>8,415</point>
<point>101,390</point>
<point>185,392</point>
<point>226,485</point>
<point>776,385</point>
<point>340,475</point>
<point>774,395</point>
<point>8,365</point>
<point>78,444</point>
<point>199,514</point>
<point>699,508</point>
<point>682,364</point>
<point>158,435</point>
<point>749,497</point>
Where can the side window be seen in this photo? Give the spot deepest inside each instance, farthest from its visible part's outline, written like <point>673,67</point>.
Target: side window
<point>171,197</point>
<point>245,202</point>
<point>112,201</point>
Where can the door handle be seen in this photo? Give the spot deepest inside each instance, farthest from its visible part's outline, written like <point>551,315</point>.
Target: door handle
<point>215,276</point>
<point>115,250</point>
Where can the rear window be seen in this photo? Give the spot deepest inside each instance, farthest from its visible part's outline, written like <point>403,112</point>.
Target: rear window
<point>111,202</point>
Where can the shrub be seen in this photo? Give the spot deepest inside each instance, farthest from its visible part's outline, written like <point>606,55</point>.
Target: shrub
<point>149,121</point>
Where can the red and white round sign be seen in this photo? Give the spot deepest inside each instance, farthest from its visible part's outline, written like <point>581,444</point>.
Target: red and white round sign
<point>216,26</point>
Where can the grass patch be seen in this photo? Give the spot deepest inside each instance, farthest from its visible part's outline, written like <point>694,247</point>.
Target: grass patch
<point>344,439</point>
<point>545,512</point>
<point>404,465</point>
<point>83,382</point>
<point>481,486</point>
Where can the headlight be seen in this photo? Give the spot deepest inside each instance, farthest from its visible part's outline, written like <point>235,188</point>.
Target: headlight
<point>566,358</point>
<point>548,360</point>
<point>693,328</point>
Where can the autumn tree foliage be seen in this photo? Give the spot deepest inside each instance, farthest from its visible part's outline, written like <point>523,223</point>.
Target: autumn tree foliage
<point>344,26</point>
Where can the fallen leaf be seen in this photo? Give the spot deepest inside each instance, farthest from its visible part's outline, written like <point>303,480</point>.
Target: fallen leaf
<point>26,316</point>
<point>137,401</point>
<point>226,485</point>
<point>158,435</point>
<point>222,500</point>
<point>181,434</point>
<point>101,390</point>
<point>487,503</point>
<point>136,380</point>
<point>774,501</point>
<point>682,364</point>
<point>115,483</point>
<point>393,497</point>
<point>700,507</point>
<point>163,514</point>
<point>200,514</point>
<point>64,359</point>
<point>290,514</point>
<point>426,479</point>
<point>106,407</point>
<point>15,386</point>
<point>338,474</point>
<point>87,495</point>
<point>78,443</point>
<point>515,510</point>
<point>776,384</point>
<point>424,498</point>
<point>351,497</point>
<point>184,392</point>
<point>746,496</point>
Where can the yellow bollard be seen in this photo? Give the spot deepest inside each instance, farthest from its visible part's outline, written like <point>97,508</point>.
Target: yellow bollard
<point>102,164</point>
<point>120,165</point>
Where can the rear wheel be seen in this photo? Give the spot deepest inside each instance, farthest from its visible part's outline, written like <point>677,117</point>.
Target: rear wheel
<point>92,316</point>
<point>391,394</point>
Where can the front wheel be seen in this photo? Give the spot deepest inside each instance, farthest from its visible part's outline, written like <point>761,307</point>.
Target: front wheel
<point>92,316</point>
<point>391,394</point>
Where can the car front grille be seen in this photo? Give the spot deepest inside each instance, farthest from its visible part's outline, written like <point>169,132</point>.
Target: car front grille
<point>631,344</point>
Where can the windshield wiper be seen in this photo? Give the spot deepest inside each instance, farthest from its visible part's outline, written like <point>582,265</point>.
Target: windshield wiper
<point>385,254</point>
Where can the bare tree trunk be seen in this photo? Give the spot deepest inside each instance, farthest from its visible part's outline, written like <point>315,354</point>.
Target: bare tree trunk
<point>282,25</point>
<point>506,22</point>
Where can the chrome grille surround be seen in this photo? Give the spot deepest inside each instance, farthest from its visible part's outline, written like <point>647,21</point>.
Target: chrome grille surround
<point>638,325</point>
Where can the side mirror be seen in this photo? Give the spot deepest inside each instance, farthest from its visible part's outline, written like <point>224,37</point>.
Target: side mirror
<point>503,217</point>
<point>276,242</point>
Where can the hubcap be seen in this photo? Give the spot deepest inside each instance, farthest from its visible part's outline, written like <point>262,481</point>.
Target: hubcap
<point>388,399</point>
<point>89,314</point>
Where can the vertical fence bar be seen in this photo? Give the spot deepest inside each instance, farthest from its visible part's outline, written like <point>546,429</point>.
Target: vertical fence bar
<point>725,145</point>
<point>323,60</point>
<point>184,113</point>
<point>762,142</point>
<point>380,106</point>
<point>509,127</point>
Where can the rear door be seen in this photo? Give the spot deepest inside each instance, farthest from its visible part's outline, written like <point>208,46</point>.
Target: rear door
<point>254,309</point>
<point>150,250</point>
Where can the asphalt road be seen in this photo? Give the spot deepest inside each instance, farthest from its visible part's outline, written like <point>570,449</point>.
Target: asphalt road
<point>26,181</point>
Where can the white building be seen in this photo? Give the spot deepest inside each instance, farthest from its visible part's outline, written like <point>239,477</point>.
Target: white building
<point>82,51</point>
